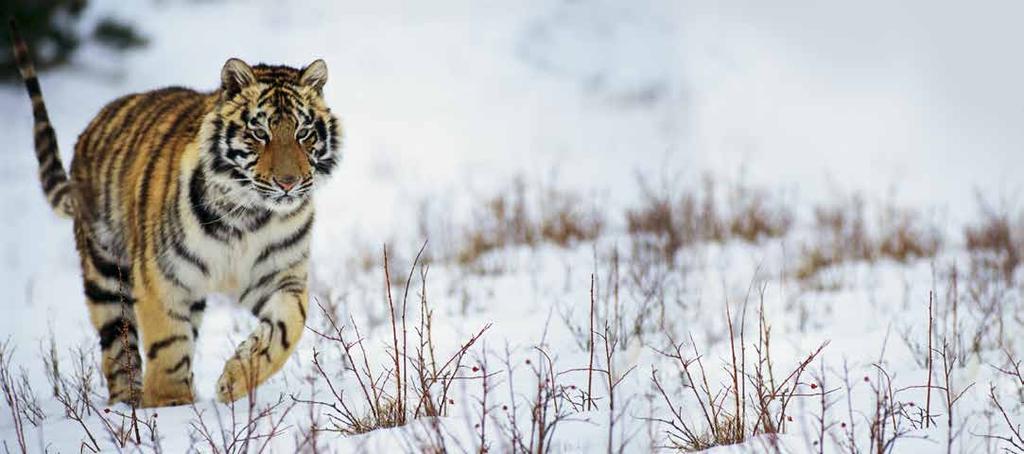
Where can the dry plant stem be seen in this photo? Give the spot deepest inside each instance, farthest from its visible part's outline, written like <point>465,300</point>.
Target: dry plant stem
<point>235,436</point>
<point>511,410</point>
<point>710,405</point>
<point>337,338</point>
<point>825,423</point>
<point>394,338</point>
<point>952,397</point>
<point>610,347</point>
<point>609,374</point>
<point>928,396</point>
<point>431,381</point>
<point>769,391</point>
<point>850,440</point>
<point>734,374</point>
<point>725,411</point>
<point>956,305</point>
<point>1014,371</point>
<point>134,396</point>
<point>275,427</point>
<point>128,425</point>
<point>1016,437</point>
<point>342,416</point>
<point>368,376</point>
<point>680,434</point>
<point>74,407</point>
<point>51,362</point>
<point>424,349</point>
<point>546,411</point>
<point>75,394</point>
<point>405,331</point>
<point>824,409</point>
<point>11,395</point>
<point>482,445</point>
<point>546,403</point>
<point>447,373</point>
<point>310,436</point>
<point>885,427</point>
<point>590,349</point>
<point>199,431</point>
<point>344,419</point>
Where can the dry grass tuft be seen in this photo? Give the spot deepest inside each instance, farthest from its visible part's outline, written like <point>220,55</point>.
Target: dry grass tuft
<point>756,215</point>
<point>995,243</point>
<point>518,216</point>
<point>668,222</point>
<point>842,234</point>
<point>565,222</point>
<point>905,235</point>
<point>664,224</point>
<point>499,221</point>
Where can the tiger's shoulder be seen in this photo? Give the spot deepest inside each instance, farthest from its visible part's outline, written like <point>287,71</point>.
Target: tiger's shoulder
<point>131,115</point>
<point>127,135</point>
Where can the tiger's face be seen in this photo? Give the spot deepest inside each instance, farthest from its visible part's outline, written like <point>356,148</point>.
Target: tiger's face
<point>273,136</point>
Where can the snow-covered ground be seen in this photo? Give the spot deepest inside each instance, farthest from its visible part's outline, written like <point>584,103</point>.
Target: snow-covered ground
<point>445,103</point>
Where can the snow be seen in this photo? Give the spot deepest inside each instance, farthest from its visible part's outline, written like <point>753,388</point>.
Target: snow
<point>446,102</point>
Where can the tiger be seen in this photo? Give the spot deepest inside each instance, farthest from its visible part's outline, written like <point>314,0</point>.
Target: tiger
<point>176,194</point>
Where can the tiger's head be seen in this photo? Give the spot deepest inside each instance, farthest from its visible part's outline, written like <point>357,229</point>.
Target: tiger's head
<point>272,138</point>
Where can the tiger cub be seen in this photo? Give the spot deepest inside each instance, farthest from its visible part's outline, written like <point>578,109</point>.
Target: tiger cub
<point>175,194</point>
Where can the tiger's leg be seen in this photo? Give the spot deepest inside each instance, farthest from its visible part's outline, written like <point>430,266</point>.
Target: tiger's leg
<point>119,343</point>
<point>280,303</point>
<point>107,283</point>
<point>168,336</point>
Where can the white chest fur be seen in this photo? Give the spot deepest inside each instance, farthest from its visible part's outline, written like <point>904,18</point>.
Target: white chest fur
<point>237,260</point>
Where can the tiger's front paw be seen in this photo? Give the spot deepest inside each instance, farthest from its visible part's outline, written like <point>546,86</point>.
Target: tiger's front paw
<point>234,382</point>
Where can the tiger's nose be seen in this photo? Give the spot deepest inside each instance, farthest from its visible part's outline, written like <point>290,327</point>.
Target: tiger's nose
<point>286,182</point>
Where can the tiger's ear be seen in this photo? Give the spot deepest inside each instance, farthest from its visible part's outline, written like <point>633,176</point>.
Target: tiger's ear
<point>314,75</point>
<point>235,76</point>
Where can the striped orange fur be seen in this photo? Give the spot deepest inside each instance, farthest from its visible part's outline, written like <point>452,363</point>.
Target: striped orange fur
<point>175,194</point>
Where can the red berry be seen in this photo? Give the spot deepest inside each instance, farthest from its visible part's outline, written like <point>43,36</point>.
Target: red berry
<point>814,386</point>
<point>843,425</point>
<point>106,410</point>
<point>475,368</point>
<point>504,407</point>
<point>866,378</point>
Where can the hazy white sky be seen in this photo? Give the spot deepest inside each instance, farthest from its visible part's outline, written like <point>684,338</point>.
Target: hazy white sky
<point>923,95</point>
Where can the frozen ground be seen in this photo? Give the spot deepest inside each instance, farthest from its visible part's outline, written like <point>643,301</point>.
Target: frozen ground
<point>444,104</point>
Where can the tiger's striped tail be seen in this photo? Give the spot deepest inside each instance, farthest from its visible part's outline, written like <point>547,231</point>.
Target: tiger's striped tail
<point>52,175</point>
